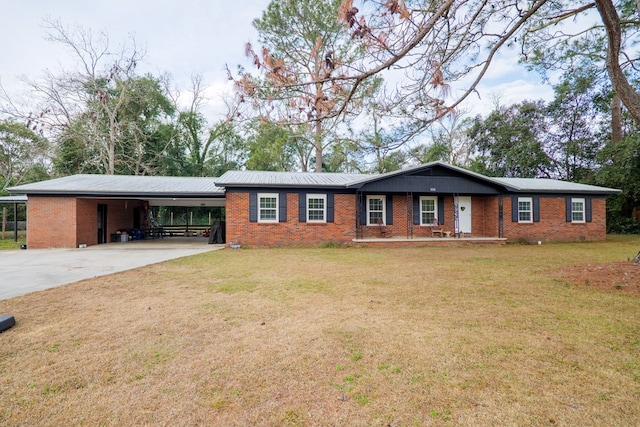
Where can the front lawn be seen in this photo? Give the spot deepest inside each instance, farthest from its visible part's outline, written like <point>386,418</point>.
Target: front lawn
<point>477,336</point>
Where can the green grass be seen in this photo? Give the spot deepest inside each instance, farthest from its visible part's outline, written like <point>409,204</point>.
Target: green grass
<point>8,243</point>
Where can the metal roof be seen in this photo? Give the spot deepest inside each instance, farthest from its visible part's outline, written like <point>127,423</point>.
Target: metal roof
<point>552,185</point>
<point>123,185</point>
<point>288,179</point>
<point>543,185</point>
<point>193,187</point>
<point>13,199</point>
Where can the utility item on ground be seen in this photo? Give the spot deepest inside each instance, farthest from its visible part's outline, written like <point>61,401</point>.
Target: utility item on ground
<point>6,321</point>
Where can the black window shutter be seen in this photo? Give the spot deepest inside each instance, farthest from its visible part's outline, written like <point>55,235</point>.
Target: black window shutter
<point>302,207</point>
<point>587,209</point>
<point>514,208</point>
<point>441,210</point>
<point>568,206</point>
<point>253,207</point>
<point>282,200</point>
<point>416,210</point>
<point>536,208</point>
<point>363,209</point>
<point>330,207</point>
<point>389,210</point>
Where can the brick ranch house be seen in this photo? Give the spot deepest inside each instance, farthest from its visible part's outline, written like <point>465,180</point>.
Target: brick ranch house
<point>435,203</point>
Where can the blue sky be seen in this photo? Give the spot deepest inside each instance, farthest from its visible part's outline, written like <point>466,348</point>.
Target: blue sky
<point>185,38</point>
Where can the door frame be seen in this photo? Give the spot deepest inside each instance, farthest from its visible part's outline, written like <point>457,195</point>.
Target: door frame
<point>102,223</point>
<point>464,214</point>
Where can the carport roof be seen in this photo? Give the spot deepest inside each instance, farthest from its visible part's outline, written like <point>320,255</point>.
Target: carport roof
<point>123,186</point>
<point>13,199</point>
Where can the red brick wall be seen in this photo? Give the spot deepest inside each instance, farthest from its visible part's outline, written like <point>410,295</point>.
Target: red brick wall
<point>484,217</point>
<point>485,222</point>
<point>292,232</point>
<point>51,222</point>
<point>553,226</point>
<point>66,222</point>
<point>119,215</point>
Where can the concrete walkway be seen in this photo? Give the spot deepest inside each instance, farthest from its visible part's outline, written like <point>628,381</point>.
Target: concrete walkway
<point>25,271</point>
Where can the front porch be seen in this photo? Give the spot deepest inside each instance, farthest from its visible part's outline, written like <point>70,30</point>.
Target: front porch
<point>396,242</point>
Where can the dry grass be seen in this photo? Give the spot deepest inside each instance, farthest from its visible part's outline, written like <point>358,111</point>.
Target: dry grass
<point>328,337</point>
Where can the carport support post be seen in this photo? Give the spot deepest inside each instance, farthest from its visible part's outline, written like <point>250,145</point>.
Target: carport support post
<point>4,221</point>
<point>15,222</point>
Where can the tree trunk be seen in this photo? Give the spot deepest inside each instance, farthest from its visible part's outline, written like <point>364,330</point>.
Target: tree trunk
<point>636,260</point>
<point>616,119</point>
<point>627,93</point>
<point>318,143</point>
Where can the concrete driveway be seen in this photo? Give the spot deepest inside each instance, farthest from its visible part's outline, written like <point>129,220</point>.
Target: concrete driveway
<point>32,270</point>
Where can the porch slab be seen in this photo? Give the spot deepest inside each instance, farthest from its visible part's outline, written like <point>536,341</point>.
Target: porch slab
<point>429,241</point>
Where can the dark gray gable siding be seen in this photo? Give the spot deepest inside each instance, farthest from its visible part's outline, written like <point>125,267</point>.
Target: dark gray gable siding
<point>429,184</point>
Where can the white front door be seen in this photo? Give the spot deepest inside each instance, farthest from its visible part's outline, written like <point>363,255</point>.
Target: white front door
<point>464,214</point>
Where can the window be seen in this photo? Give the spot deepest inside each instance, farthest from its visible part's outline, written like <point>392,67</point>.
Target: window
<point>267,207</point>
<point>577,210</point>
<point>316,208</point>
<point>375,210</point>
<point>525,209</point>
<point>428,211</point>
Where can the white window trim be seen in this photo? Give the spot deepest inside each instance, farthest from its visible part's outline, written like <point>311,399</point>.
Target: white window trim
<point>584,207</point>
<point>324,213</point>
<point>384,208</point>
<point>435,209</point>
<point>525,199</point>
<point>268,195</point>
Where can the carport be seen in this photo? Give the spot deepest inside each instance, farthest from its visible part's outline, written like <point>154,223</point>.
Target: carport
<point>92,209</point>
<point>15,201</point>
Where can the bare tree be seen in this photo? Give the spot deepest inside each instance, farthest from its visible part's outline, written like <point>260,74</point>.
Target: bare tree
<point>102,104</point>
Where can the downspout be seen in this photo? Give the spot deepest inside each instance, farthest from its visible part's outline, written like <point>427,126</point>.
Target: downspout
<point>358,214</point>
<point>500,217</point>
<point>410,215</point>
